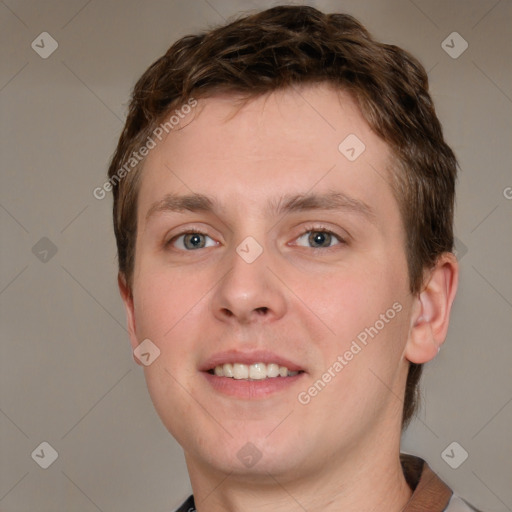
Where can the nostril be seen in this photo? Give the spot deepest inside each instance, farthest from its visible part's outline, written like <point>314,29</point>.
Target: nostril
<point>262,310</point>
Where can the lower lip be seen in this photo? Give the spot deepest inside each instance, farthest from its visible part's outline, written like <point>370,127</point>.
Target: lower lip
<point>251,389</point>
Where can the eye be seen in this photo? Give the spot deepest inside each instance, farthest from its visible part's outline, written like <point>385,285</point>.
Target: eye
<point>191,241</point>
<point>319,239</point>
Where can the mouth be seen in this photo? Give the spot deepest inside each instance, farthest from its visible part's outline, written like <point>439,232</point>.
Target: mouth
<point>253,372</point>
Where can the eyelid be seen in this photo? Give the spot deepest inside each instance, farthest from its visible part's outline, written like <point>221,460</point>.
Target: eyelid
<point>186,231</point>
<point>343,239</point>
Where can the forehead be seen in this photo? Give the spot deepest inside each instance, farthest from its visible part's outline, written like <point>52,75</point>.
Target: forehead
<point>294,141</point>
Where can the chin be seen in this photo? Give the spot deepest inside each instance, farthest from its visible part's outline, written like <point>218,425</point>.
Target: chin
<point>245,458</point>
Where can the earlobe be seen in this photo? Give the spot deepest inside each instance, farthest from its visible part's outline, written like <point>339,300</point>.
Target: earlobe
<point>127,296</point>
<point>431,311</point>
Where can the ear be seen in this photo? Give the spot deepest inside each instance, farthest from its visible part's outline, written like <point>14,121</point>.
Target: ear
<point>431,311</point>
<point>127,296</point>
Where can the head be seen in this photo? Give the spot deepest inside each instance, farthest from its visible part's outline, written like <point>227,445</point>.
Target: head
<point>299,81</point>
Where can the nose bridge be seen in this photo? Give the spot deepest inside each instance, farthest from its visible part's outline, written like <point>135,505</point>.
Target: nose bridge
<point>249,290</point>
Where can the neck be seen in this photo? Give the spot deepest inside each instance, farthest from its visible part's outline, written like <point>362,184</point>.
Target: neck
<point>370,480</point>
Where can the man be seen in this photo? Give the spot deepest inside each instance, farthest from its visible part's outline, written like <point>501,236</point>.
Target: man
<point>283,209</point>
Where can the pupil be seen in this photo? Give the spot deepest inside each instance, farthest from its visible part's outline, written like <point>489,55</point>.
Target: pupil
<point>194,240</point>
<point>321,238</point>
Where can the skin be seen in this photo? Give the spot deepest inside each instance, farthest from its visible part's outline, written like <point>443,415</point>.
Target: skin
<point>341,450</point>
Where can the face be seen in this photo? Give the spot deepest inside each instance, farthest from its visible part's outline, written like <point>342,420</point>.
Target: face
<point>288,251</point>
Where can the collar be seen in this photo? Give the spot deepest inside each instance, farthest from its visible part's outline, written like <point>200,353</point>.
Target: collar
<point>429,491</point>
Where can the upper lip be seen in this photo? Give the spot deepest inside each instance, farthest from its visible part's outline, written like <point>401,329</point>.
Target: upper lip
<point>248,357</point>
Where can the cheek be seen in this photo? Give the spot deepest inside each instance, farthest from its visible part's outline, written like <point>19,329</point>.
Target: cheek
<point>347,300</point>
<point>165,299</point>
<point>169,309</point>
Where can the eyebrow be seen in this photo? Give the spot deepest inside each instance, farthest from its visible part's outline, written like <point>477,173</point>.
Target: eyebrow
<point>287,203</point>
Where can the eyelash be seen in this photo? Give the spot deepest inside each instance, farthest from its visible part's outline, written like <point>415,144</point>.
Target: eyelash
<point>322,229</point>
<point>307,229</point>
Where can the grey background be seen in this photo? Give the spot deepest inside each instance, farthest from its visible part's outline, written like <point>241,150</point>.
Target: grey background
<point>67,374</point>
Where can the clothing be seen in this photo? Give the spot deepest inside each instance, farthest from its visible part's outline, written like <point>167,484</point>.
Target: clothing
<point>430,493</point>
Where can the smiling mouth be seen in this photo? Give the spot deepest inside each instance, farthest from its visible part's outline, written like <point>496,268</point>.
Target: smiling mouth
<point>255,371</point>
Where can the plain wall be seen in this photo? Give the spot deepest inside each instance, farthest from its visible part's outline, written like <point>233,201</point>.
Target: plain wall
<point>67,373</point>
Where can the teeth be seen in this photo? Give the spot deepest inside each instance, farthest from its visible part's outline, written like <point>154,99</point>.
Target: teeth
<point>228,370</point>
<point>272,370</point>
<point>256,371</point>
<point>240,371</point>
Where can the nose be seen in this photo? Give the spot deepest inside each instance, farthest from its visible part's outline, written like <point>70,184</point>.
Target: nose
<point>249,292</point>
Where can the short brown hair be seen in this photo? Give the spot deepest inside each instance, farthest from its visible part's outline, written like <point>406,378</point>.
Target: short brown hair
<point>288,46</point>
